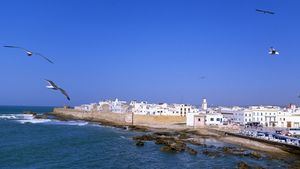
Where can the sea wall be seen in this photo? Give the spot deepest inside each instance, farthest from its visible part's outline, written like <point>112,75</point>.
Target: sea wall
<point>118,118</point>
<point>157,120</point>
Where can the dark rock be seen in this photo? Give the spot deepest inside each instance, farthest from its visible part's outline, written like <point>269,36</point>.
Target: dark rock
<point>170,134</point>
<point>138,128</point>
<point>183,136</point>
<point>196,142</point>
<point>255,155</point>
<point>167,149</point>
<point>234,151</point>
<point>226,149</point>
<point>170,146</point>
<point>211,153</point>
<point>243,165</point>
<point>41,116</point>
<point>29,112</point>
<point>144,138</point>
<point>178,146</point>
<point>140,143</point>
<point>125,127</point>
<point>161,141</point>
<point>191,151</point>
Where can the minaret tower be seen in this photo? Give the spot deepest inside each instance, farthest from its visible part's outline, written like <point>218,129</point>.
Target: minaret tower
<point>204,104</point>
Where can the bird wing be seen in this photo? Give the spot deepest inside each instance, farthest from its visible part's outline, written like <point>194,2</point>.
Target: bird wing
<point>265,11</point>
<point>17,47</point>
<point>64,93</point>
<point>43,57</point>
<point>258,10</point>
<point>52,83</point>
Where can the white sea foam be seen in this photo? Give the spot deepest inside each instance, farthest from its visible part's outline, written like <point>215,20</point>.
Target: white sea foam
<point>23,118</point>
<point>16,116</point>
<point>29,118</point>
<point>72,123</point>
<point>6,116</point>
<point>34,121</point>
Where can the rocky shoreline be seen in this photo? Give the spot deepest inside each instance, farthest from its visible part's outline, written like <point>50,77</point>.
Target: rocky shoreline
<point>177,140</point>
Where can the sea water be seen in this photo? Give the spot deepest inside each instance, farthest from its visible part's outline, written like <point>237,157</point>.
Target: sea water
<point>26,142</point>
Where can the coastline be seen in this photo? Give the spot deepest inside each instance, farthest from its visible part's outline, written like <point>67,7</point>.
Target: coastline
<point>204,132</point>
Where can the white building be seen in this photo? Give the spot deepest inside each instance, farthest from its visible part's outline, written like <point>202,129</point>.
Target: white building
<point>265,115</point>
<point>86,107</point>
<point>213,119</point>
<point>232,114</point>
<point>268,116</point>
<point>289,118</point>
<point>205,116</point>
<point>161,109</point>
<point>191,118</point>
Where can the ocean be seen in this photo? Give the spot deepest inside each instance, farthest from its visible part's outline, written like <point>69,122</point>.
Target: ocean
<point>29,143</point>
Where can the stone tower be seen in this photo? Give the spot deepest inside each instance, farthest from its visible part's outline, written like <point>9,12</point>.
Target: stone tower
<point>204,104</point>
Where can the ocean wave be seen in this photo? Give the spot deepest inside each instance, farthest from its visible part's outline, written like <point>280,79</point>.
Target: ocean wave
<point>71,123</point>
<point>8,117</point>
<point>29,118</point>
<point>34,121</point>
<point>16,116</point>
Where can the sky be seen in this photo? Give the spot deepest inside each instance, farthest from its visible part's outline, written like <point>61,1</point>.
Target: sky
<point>151,50</point>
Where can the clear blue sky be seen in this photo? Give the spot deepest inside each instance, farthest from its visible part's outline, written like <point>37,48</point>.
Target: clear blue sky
<point>151,50</point>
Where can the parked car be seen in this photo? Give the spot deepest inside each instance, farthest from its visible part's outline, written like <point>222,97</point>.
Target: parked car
<point>294,131</point>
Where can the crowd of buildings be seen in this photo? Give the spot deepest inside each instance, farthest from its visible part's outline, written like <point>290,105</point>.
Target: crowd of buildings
<point>267,116</point>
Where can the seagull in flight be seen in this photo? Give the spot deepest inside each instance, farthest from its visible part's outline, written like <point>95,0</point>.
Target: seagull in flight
<point>273,51</point>
<point>265,11</point>
<point>53,86</point>
<point>202,77</point>
<point>29,53</point>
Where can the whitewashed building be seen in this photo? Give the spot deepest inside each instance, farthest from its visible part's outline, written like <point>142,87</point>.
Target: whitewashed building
<point>205,116</point>
<point>86,107</point>
<point>214,119</point>
<point>161,109</point>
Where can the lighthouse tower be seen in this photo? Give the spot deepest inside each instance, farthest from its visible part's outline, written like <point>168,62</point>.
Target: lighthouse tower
<point>204,104</point>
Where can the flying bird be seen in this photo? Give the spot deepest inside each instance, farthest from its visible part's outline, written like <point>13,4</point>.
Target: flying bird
<point>202,77</point>
<point>273,51</point>
<point>265,11</point>
<point>29,53</point>
<point>53,86</point>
